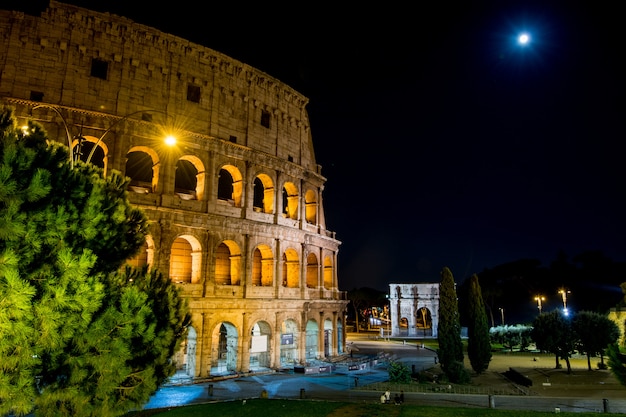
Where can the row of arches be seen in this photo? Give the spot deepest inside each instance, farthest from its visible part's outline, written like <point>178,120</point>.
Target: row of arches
<point>261,348</point>
<point>144,165</point>
<point>186,255</point>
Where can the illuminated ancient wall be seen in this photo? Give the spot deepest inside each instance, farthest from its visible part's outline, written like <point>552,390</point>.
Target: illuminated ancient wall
<point>235,205</point>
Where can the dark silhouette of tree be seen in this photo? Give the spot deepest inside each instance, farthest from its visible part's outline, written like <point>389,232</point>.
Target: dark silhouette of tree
<point>363,299</point>
<point>478,343</point>
<point>594,332</point>
<point>553,333</point>
<point>617,362</point>
<point>86,338</point>
<point>449,326</point>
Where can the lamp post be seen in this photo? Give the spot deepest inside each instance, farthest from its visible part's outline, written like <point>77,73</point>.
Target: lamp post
<point>80,138</point>
<point>539,299</point>
<point>564,293</point>
<point>502,314</point>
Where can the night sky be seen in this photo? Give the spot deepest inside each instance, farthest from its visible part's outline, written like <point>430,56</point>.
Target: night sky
<point>444,142</point>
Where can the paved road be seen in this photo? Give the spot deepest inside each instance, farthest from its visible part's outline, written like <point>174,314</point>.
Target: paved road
<point>339,385</point>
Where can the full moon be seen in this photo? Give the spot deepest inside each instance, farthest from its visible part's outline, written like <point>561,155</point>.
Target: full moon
<point>523,39</point>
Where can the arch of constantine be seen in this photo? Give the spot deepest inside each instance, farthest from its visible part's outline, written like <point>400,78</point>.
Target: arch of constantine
<point>414,309</point>
<point>235,204</point>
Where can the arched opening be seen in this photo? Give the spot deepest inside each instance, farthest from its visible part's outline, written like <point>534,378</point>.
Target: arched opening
<point>262,266</point>
<point>227,263</point>
<point>312,331</point>
<point>230,185</point>
<point>225,342</point>
<point>310,205</point>
<point>82,146</point>
<point>145,256</point>
<point>328,338</point>
<point>424,322</point>
<point>290,201</point>
<point>328,273</point>
<point>291,269</point>
<point>185,259</point>
<point>185,358</point>
<point>189,178</point>
<point>311,271</point>
<point>260,346</point>
<point>140,168</point>
<point>263,194</point>
<point>289,344</point>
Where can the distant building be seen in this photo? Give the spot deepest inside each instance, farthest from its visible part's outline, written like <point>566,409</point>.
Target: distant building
<point>414,309</point>
<point>235,207</point>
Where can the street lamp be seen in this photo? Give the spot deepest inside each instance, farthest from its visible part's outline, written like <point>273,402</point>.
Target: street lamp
<point>502,314</point>
<point>539,299</point>
<point>564,293</point>
<point>80,138</point>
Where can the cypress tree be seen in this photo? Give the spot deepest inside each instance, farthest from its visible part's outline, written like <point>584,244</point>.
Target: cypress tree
<point>479,343</point>
<point>449,325</point>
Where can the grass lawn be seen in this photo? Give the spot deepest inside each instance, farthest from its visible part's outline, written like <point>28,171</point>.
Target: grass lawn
<point>312,408</point>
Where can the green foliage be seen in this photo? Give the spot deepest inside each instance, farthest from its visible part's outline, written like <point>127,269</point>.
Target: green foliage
<point>399,372</point>
<point>553,333</point>
<point>449,326</point>
<point>510,337</point>
<point>77,337</point>
<point>479,342</point>
<point>617,362</point>
<point>594,332</point>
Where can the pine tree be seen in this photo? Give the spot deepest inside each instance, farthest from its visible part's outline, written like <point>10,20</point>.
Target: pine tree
<point>78,336</point>
<point>479,343</point>
<point>449,326</point>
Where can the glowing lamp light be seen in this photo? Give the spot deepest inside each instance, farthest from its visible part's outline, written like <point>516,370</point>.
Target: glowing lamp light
<point>170,140</point>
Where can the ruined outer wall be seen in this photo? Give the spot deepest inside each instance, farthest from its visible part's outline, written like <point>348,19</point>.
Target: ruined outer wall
<point>47,61</point>
<point>149,69</point>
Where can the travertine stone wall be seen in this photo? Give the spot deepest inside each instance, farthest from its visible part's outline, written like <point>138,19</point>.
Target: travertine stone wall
<point>119,86</point>
<point>413,303</point>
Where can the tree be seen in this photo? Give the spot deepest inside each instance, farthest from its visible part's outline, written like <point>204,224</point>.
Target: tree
<point>594,332</point>
<point>553,333</point>
<point>399,372</point>
<point>479,343</point>
<point>617,362</point>
<point>363,299</point>
<point>79,336</point>
<point>449,326</point>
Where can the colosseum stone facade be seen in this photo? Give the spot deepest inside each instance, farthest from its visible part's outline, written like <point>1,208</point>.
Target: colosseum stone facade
<point>235,204</point>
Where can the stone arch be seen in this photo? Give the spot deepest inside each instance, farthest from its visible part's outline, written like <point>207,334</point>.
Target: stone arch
<point>328,273</point>
<point>230,185</point>
<point>185,358</point>
<point>189,178</point>
<point>290,201</point>
<point>228,263</point>
<point>224,342</point>
<point>340,341</point>
<point>291,268</point>
<point>142,167</point>
<point>310,348</point>
<point>82,146</point>
<point>260,344</point>
<point>145,256</point>
<point>328,337</point>
<point>310,205</point>
<point>263,194</point>
<point>312,268</point>
<point>424,322</point>
<point>263,266</point>
<point>185,260</point>
<point>289,353</point>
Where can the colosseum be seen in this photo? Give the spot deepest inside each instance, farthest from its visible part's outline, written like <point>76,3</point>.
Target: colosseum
<point>234,202</point>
